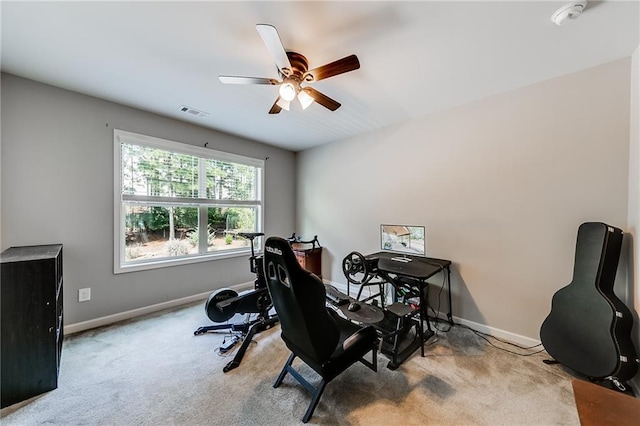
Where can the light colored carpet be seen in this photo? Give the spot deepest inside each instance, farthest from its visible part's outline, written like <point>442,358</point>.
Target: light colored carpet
<point>154,371</point>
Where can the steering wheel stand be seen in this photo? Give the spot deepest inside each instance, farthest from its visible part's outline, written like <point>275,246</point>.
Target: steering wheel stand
<point>361,271</point>
<point>224,303</point>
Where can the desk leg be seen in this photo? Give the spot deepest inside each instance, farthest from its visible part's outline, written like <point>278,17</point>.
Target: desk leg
<point>424,305</point>
<point>424,315</point>
<point>450,314</point>
<point>421,332</point>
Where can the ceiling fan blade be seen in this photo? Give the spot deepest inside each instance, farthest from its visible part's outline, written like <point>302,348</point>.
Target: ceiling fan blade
<point>322,99</point>
<point>275,109</point>
<point>340,66</point>
<point>271,39</point>
<point>230,79</point>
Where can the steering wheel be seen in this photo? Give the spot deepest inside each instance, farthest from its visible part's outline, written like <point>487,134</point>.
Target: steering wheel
<point>356,269</point>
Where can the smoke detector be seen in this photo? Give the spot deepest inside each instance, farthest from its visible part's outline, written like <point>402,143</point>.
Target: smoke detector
<point>568,11</point>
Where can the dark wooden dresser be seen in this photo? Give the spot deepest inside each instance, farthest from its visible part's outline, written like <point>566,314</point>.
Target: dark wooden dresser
<point>31,331</point>
<point>309,257</point>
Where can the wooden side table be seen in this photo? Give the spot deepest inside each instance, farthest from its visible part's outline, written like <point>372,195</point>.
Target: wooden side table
<point>599,406</point>
<point>309,257</point>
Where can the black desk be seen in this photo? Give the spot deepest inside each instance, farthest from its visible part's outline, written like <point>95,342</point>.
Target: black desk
<point>413,274</point>
<point>419,269</point>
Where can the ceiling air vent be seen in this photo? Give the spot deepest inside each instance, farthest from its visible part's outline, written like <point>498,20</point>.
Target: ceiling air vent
<point>193,111</point>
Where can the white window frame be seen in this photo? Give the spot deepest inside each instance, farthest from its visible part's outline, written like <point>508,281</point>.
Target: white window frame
<point>119,264</point>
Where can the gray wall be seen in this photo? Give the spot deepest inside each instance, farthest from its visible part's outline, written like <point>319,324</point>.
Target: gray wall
<point>634,198</point>
<point>57,187</point>
<point>501,184</point>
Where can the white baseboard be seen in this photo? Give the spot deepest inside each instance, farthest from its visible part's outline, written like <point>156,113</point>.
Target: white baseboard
<point>492,331</point>
<point>110,319</point>
<point>497,332</point>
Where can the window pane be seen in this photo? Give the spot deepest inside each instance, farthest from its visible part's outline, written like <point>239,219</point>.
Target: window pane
<point>165,185</point>
<point>230,181</point>
<point>149,233</point>
<point>224,225</point>
<point>152,171</point>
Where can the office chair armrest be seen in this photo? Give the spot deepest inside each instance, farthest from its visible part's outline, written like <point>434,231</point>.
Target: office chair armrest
<point>364,333</point>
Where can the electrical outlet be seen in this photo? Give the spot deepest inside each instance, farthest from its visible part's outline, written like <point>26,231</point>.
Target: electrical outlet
<point>84,294</point>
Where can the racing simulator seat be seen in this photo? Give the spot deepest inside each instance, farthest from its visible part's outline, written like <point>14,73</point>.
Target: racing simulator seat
<point>322,339</point>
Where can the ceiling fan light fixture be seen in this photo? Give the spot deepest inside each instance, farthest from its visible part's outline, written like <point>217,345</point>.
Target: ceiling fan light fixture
<point>288,91</point>
<point>283,103</point>
<point>305,99</point>
<point>293,70</point>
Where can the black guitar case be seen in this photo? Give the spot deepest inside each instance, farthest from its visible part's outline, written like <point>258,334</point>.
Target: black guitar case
<point>589,328</point>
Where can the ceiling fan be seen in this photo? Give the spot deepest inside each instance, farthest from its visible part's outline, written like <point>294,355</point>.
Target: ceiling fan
<point>293,69</point>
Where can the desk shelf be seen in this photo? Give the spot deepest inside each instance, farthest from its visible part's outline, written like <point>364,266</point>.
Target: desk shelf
<point>411,301</point>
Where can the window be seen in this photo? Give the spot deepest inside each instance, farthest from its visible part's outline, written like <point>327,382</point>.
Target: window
<point>178,203</point>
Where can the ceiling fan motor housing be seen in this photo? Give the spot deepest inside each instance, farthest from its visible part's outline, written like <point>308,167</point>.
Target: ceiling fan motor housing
<point>299,65</point>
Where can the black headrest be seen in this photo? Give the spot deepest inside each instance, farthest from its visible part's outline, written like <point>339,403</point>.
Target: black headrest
<point>280,247</point>
<point>299,299</point>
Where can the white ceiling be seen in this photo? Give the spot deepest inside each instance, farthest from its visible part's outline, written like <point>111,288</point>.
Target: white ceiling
<point>416,57</point>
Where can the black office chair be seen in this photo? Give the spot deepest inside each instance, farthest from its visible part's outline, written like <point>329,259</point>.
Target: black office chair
<point>326,342</point>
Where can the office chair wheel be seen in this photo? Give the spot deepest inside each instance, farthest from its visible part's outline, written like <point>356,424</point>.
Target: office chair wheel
<point>356,269</point>
<point>214,311</point>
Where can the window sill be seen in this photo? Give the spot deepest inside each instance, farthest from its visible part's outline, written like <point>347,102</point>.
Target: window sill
<point>178,261</point>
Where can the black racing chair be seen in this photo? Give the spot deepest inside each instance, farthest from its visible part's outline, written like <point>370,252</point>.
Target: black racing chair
<point>326,342</point>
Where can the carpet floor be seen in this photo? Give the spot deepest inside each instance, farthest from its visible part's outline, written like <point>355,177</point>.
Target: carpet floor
<point>152,370</point>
